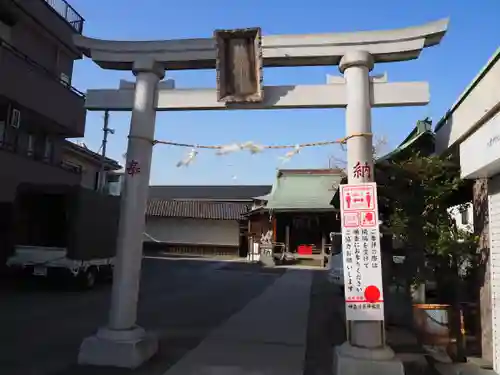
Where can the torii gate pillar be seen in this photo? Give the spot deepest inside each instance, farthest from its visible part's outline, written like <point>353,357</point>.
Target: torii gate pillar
<point>365,351</point>
<point>122,343</point>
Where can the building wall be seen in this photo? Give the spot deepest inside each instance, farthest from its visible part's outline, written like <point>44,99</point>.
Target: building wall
<point>36,53</point>
<point>259,224</point>
<point>472,124</point>
<point>472,107</point>
<point>22,169</point>
<point>30,157</point>
<point>33,40</point>
<point>89,170</point>
<point>52,16</point>
<point>35,49</point>
<point>22,164</point>
<point>192,231</point>
<point>56,107</point>
<point>482,148</point>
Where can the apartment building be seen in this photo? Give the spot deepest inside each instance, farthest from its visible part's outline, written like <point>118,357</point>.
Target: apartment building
<point>39,108</point>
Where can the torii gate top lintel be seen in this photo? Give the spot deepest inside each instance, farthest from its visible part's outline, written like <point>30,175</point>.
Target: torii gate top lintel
<point>278,50</point>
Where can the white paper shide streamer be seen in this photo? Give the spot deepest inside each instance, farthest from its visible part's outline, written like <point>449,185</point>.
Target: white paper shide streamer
<point>250,146</point>
<point>228,149</point>
<point>290,154</point>
<point>188,159</point>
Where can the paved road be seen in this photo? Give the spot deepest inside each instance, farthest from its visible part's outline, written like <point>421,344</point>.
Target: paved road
<point>184,301</point>
<point>181,300</point>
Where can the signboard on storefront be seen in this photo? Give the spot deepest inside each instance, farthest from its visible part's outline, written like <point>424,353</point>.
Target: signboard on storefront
<point>361,252</point>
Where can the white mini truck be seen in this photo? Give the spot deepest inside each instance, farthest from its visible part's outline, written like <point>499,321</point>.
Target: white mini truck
<point>53,262</point>
<point>65,233</point>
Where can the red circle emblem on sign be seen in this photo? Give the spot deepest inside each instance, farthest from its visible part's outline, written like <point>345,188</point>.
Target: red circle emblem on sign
<point>372,294</point>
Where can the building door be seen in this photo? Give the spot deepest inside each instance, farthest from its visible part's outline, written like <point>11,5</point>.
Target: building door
<point>494,235</point>
<point>243,243</point>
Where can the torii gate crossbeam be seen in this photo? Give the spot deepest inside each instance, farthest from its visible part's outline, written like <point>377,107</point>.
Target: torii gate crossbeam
<point>395,94</point>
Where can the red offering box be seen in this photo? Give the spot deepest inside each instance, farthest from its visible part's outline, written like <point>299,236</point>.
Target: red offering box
<point>305,249</point>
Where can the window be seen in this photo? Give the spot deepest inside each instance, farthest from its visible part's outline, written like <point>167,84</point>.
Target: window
<point>97,180</point>
<point>465,217</point>
<point>30,147</point>
<point>15,118</point>
<point>73,167</point>
<point>8,136</point>
<point>114,183</point>
<point>2,132</point>
<point>48,149</point>
<point>4,32</point>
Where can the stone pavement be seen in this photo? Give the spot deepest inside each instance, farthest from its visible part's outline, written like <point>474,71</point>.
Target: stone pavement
<point>267,337</point>
<point>461,369</point>
<point>408,350</point>
<point>326,327</point>
<point>474,366</point>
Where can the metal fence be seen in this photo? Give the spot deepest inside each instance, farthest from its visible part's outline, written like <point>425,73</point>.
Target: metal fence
<point>67,12</point>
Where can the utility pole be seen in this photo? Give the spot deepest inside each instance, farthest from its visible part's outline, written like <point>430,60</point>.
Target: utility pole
<point>102,171</point>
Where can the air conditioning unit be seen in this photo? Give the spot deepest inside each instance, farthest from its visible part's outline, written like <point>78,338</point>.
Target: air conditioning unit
<point>15,118</point>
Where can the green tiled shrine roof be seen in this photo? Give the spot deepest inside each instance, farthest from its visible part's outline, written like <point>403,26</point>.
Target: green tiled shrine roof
<point>303,191</point>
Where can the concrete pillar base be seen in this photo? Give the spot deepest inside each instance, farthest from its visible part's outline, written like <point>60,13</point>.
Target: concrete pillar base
<point>350,360</point>
<point>125,349</point>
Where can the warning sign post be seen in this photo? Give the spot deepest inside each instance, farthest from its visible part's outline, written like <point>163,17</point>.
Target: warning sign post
<point>361,252</point>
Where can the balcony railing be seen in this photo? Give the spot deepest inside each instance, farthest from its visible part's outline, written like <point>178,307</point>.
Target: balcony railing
<point>33,86</point>
<point>13,149</point>
<point>40,68</point>
<point>67,12</point>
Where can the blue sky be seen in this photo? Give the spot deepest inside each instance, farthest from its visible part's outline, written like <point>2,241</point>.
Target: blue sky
<point>473,36</point>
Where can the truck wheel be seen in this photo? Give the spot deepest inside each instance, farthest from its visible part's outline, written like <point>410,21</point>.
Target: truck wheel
<point>87,279</point>
<point>109,273</point>
<point>105,274</point>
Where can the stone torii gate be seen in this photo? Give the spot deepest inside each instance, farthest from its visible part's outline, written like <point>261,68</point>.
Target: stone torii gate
<point>124,344</point>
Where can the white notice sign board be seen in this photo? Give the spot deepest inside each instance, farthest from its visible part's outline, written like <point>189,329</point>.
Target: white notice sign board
<point>361,252</point>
